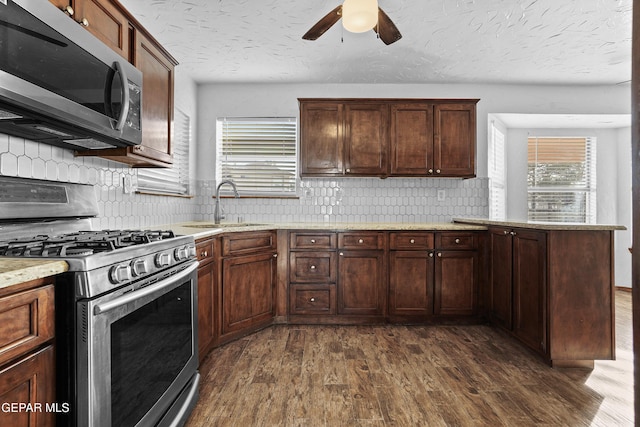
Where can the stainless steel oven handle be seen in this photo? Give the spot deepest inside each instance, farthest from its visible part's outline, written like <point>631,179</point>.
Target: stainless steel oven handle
<point>148,290</point>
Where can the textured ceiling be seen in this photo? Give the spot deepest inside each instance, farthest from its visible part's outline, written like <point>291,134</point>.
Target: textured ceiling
<point>444,41</point>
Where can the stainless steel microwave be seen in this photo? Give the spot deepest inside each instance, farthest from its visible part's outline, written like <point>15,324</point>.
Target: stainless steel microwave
<point>60,85</point>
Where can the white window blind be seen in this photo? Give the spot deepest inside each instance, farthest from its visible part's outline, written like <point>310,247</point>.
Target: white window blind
<point>258,155</point>
<point>173,180</point>
<point>497,174</point>
<point>562,179</point>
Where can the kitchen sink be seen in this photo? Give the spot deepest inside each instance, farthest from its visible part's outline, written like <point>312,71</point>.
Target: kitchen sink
<point>223,225</point>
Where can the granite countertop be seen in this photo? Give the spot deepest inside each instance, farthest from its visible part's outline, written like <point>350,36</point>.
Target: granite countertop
<point>202,229</point>
<point>19,270</point>
<point>539,225</point>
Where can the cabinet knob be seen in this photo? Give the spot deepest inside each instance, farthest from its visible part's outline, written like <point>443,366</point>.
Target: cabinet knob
<point>437,170</point>
<point>68,10</point>
<point>348,170</point>
<point>84,22</point>
<point>275,255</point>
<point>313,267</point>
<point>313,240</point>
<point>513,233</point>
<point>204,254</point>
<point>341,253</point>
<point>505,232</point>
<point>439,254</point>
<point>360,241</point>
<point>457,241</point>
<point>430,170</point>
<point>312,299</point>
<point>430,254</point>
<point>412,241</point>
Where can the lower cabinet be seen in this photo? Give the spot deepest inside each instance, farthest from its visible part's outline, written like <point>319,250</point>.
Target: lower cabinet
<point>361,282</point>
<point>456,277</point>
<point>207,296</point>
<point>247,288</point>
<point>27,357</point>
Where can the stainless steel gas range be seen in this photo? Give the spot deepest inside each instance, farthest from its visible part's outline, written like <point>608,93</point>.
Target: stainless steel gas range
<point>126,310</point>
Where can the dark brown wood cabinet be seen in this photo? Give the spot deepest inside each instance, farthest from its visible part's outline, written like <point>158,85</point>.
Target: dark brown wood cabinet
<point>387,137</point>
<point>362,273</point>
<point>549,291</point>
<point>247,288</point>
<point>207,296</point>
<point>110,22</point>
<point>27,356</point>
<point>343,139</point>
<point>411,275</point>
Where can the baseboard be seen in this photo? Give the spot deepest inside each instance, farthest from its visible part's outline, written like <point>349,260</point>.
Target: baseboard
<point>623,289</point>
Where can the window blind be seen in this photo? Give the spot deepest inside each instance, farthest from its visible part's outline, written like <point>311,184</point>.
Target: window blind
<point>258,155</point>
<point>561,179</point>
<point>173,180</point>
<point>497,174</point>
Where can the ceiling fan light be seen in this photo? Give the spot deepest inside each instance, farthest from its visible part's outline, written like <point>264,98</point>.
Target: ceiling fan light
<point>359,16</point>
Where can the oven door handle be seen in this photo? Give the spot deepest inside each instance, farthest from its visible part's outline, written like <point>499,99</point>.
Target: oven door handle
<point>148,290</point>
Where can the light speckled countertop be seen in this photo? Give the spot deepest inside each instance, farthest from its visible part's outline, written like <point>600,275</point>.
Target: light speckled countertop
<point>19,270</point>
<point>539,225</point>
<point>202,229</point>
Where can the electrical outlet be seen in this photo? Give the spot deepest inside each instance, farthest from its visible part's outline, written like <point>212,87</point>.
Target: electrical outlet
<point>127,185</point>
<point>441,195</point>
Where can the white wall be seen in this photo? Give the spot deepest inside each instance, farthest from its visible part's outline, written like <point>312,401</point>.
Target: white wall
<point>623,239</point>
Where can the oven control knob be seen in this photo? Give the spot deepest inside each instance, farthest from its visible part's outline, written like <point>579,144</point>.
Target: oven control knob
<point>120,273</point>
<point>180,254</point>
<point>139,267</point>
<point>163,259</point>
<point>191,251</point>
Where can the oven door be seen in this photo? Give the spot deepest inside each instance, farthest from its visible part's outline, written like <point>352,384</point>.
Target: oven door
<point>137,351</point>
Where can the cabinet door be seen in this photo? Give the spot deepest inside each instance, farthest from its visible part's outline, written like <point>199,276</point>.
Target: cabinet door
<point>157,100</point>
<point>206,309</point>
<point>456,275</point>
<point>500,277</point>
<point>365,143</point>
<point>30,380</point>
<point>248,285</point>
<point>106,22</point>
<point>412,139</point>
<point>454,143</point>
<point>529,287</point>
<point>361,289</point>
<point>321,139</point>
<point>411,283</point>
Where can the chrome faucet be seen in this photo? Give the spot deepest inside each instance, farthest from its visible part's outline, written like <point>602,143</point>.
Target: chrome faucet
<point>218,213</point>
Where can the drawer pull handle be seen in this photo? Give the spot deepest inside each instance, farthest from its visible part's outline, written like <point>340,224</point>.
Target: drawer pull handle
<point>313,267</point>
<point>204,254</point>
<point>312,299</point>
<point>457,241</point>
<point>313,240</point>
<point>412,241</point>
<point>360,241</point>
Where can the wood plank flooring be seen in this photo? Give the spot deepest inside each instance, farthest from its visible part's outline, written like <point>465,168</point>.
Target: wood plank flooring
<point>408,376</point>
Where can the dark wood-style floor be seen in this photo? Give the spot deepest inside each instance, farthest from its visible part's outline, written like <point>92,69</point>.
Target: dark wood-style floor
<point>408,376</point>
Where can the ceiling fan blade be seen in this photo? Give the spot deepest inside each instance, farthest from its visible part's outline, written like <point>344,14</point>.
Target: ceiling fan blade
<point>324,24</point>
<point>386,29</point>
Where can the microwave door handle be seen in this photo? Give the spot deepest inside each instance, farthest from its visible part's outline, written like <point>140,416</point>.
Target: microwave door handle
<point>148,290</point>
<point>124,111</point>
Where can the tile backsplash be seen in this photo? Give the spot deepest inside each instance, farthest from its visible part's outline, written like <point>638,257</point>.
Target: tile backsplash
<point>320,200</point>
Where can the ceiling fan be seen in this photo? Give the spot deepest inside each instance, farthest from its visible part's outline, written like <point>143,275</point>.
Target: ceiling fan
<point>358,16</point>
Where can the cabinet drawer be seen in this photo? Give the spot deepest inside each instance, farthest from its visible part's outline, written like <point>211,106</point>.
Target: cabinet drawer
<point>411,241</point>
<point>456,240</point>
<point>249,242</point>
<point>361,240</point>
<point>26,321</point>
<point>312,240</point>
<point>312,267</point>
<point>318,299</point>
<point>204,251</point>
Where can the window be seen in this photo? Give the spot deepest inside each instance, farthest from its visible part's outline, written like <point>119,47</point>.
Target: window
<point>173,180</point>
<point>258,155</point>
<point>497,181</point>
<point>562,179</point>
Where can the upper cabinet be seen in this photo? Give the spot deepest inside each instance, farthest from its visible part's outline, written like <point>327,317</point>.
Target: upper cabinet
<point>388,137</point>
<point>114,26</point>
